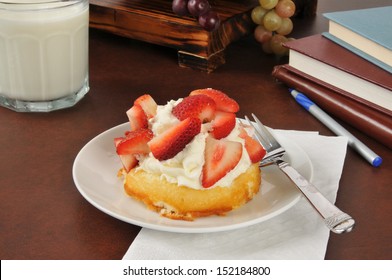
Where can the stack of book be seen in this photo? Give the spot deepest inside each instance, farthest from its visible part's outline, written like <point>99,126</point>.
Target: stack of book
<point>348,70</point>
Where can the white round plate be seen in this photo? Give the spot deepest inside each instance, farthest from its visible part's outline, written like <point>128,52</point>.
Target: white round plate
<point>95,175</point>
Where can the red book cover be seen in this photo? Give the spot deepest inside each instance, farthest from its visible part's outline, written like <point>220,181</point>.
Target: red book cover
<point>374,123</point>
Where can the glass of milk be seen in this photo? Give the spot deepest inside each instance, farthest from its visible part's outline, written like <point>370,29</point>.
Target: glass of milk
<point>43,54</point>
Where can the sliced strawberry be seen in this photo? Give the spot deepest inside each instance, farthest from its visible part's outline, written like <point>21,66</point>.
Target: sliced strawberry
<point>255,150</point>
<point>117,140</point>
<point>128,161</point>
<point>202,107</point>
<point>135,142</point>
<point>223,124</point>
<point>172,141</point>
<point>221,156</point>
<point>243,132</point>
<point>148,105</point>
<point>137,117</point>
<point>223,102</point>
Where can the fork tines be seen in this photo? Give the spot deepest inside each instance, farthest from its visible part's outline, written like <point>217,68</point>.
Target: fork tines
<point>274,150</point>
<point>263,135</point>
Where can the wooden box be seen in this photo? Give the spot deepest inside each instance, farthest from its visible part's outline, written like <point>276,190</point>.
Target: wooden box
<point>153,21</point>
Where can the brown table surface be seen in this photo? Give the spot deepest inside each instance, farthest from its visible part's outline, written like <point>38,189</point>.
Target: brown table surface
<point>43,216</point>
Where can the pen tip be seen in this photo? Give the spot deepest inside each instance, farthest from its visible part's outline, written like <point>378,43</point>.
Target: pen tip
<point>377,162</point>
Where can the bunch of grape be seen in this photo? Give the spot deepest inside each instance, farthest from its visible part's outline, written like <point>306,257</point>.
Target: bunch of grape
<point>200,9</point>
<point>274,23</point>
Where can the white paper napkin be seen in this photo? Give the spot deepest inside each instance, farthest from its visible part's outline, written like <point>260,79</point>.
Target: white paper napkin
<point>298,233</point>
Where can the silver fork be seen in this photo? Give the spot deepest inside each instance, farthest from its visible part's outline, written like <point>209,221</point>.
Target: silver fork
<point>336,220</point>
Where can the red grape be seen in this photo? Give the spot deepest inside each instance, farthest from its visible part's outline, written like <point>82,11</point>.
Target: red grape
<point>209,20</point>
<point>198,7</point>
<point>261,34</point>
<point>180,8</point>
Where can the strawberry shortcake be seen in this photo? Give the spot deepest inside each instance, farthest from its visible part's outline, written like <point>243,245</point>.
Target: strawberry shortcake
<point>190,157</point>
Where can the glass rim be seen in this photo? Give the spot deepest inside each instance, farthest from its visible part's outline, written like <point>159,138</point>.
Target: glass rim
<point>29,5</point>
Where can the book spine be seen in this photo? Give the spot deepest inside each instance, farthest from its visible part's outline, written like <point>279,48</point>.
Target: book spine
<point>373,123</point>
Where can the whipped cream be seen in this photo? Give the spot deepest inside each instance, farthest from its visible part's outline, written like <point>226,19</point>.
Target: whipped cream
<point>186,167</point>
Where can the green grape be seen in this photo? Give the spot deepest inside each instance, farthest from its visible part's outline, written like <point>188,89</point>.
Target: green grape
<point>257,14</point>
<point>272,21</point>
<point>285,8</point>
<point>261,34</point>
<point>268,4</point>
<point>286,27</point>
<point>276,44</point>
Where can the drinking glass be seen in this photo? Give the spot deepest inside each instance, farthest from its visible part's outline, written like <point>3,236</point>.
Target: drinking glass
<point>43,54</point>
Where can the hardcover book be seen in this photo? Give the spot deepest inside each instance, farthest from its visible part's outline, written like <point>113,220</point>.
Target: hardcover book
<point>366,32</point>
<point>327,61</point>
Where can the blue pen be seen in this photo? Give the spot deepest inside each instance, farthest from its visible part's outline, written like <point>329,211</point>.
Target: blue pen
<point>312,108</point>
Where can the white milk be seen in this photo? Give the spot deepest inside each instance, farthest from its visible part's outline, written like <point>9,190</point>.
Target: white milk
<point>43,54</point>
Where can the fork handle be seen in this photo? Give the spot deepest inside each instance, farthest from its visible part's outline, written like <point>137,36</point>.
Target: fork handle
<point>335,219</point>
